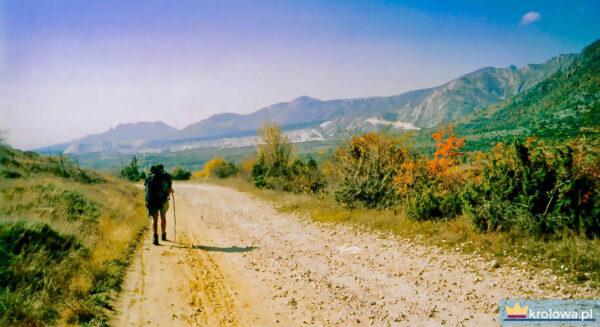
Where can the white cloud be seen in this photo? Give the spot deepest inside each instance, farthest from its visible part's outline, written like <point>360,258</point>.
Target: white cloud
<point>530,17</point>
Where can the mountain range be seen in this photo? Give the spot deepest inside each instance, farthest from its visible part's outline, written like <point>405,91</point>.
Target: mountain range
<point>564,105</point>
<point>306,118</point>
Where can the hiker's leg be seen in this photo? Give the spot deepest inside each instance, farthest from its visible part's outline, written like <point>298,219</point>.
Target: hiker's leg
<point>155,222</point>
<point>163,223</point>
<point>163,217</point>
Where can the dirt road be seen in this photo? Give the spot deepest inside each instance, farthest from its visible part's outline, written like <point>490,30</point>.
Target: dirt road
<point>237,261</point>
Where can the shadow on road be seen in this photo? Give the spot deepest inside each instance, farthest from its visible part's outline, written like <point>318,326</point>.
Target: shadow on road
<point>230,249</point>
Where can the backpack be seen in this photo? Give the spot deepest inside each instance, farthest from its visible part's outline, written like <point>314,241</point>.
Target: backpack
<point>157,188</point>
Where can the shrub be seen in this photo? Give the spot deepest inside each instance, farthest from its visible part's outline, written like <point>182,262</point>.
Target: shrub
<point>274,154</point>
<point>306,176</point>
<point>180,174</point>
<point>246,166</point>
<point>431,189</point>
<point>209,167</point>
<point>530,187</point>
<point>276,150</point>
<point>217,167</point>
<point>132,171</point>
<point>447,151</point>
<point>225,169</point>
<point>275,169</point>
<point>73,205</point>
<point>9,173</point>
<point>367,166</point>
<point>433,199</point>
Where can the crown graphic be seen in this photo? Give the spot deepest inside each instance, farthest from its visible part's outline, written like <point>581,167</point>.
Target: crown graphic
<point>517,311</point>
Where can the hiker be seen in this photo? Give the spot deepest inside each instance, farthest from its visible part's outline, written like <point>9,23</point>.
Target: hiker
<point>158,190</point>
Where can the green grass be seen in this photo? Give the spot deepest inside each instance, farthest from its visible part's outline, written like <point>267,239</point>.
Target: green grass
<point>568,255</point>
<point>66,238</point>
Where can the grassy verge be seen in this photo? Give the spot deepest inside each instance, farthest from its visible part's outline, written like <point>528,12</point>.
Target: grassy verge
<point>66,238</point>
<point>576,258</point>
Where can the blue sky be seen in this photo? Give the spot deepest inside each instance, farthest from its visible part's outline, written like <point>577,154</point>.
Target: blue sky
<point>70,68</point>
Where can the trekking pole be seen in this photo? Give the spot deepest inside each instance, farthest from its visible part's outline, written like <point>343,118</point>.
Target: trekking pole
<point>174,219</point>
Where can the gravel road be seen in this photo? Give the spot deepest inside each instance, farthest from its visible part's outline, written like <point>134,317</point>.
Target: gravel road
<point>237,261</point>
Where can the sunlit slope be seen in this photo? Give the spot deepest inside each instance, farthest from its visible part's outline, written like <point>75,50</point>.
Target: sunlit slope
<point>65,237</point>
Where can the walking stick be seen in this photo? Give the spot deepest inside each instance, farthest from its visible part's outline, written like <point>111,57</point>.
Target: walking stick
<point>174,219</point>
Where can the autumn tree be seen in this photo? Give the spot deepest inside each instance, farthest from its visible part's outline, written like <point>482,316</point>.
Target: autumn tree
<point>447,150</point>
<point>275,150</point>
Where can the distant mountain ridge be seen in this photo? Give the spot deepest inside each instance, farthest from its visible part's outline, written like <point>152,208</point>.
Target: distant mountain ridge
<point>132,131</point>
<point>303,109</point>
<point>421,108</point>
<point>116,138</point>
<point>314,119</point>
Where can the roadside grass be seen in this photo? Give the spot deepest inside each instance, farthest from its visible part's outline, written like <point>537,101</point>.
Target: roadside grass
<point>568,255</point>
<point>66,238</point>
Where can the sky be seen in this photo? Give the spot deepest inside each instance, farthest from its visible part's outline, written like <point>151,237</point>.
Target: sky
<point>69,68</point>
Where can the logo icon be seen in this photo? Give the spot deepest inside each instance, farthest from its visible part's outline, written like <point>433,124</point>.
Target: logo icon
<point>516,311</point>
<point>521,312</point>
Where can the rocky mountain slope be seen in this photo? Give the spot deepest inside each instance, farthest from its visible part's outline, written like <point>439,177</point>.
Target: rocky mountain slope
<point>421,108</point>
<point>564,105</point>
<point>307,118</point>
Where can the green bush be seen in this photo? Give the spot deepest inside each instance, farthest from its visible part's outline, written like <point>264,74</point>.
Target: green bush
<point>9,173</point>
<point>533,188</point>
<point>75,206</point>
<point>131,172</point>
<point>271,169</point>
<point>306,176</point>
<point>180,174</point>
<point>225,169</point>
<point>432,200</point>
<point>274,168</point>
<point>367,166</point>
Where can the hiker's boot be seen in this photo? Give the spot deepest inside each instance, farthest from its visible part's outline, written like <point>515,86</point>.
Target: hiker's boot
<point>155,239</point>
<point>164,236</point>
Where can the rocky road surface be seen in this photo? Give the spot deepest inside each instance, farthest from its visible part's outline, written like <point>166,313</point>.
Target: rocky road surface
<point>237,261</point>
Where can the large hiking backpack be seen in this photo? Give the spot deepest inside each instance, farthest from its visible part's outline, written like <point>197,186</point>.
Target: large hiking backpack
<point>157,188</point>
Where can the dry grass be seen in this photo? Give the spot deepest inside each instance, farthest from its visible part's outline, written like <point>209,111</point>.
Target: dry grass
<point>105,218</point>
<point>568,255</point>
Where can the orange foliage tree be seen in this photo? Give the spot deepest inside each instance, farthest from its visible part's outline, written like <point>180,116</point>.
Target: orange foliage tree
<point>447,150</point>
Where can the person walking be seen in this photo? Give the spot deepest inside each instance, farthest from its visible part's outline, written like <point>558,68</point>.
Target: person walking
<point>158,188</point>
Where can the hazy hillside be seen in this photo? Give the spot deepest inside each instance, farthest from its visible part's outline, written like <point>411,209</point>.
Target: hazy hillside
<point>123,136</point>
<point>564,105</point>
<point>132,131</point>
<point>301,110</point>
